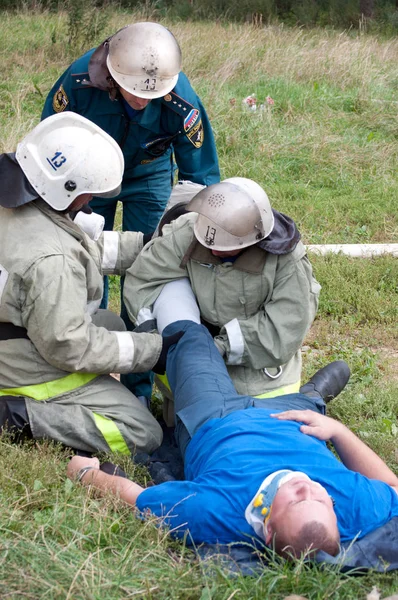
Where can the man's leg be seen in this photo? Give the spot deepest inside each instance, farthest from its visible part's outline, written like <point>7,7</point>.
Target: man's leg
<point>199,380</point>
<point>14,417</point>
<point>101,415</point>
<point>292,402</point>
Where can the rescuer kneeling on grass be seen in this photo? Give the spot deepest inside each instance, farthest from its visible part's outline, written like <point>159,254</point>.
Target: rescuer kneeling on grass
<point>251,277</point>
<point>56,348</point>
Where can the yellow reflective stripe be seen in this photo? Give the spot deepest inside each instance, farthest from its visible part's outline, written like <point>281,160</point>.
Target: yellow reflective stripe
<point>111,434</point>
<point>287,389</point>
<point>163,379</point>
<point>44,391</point>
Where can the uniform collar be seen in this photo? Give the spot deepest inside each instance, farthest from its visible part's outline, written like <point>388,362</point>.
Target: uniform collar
<point>150,116</point>
<point>251,260</point>
<point>61,219</point>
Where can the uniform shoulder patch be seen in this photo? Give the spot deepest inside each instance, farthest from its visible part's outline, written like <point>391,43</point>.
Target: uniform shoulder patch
<point>178,104</point>
<point>60,100</point>
<point>191,118</point>
<point>193,126</point>
<point>196,134</point>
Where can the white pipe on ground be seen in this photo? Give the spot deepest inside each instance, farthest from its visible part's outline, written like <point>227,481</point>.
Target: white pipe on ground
<point>355,250</point>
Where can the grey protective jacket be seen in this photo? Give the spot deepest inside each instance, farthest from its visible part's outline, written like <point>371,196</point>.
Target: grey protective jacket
<point>50,283</point>
<point>262,305</point>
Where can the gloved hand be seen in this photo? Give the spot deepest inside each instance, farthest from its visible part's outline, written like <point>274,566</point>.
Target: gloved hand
<point>146,326</point>
<point>168,341</point>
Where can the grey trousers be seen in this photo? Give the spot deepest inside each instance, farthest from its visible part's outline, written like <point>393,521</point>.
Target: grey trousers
<point>101,415</point>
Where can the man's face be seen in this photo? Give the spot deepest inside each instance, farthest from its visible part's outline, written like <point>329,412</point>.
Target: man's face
<point>297,502</point>
<point>135,102</point>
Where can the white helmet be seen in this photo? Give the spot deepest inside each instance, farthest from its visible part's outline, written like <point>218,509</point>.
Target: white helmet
<point>233,214</point>
<point>67,155</point>
<point>144,59</point>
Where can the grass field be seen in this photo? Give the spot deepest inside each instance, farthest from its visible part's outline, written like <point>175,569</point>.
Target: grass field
<point>326,152</point>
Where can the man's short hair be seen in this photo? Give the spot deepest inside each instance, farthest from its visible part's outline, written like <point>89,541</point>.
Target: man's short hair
<point>312,537</point>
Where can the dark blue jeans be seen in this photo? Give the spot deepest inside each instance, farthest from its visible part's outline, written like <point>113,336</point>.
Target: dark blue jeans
<point>203,389</point>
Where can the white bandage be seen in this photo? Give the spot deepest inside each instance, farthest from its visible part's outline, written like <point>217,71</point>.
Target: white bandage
<point>176,302</point>
<point>92,224</point>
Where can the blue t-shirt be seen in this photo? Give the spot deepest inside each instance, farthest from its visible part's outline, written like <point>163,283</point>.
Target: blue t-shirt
<point>228,458</point>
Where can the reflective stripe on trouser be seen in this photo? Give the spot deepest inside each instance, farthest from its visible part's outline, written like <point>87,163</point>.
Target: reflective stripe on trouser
<point>111,433</point>
<point>101,415</point>
<point>45,391</point>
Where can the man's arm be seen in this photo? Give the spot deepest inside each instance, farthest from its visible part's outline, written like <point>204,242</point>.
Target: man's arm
<point>119,250</point>
<point>157,264</point>
<point>125,489</point>
<point>272,336</point>
<point>354,454</point>
<point>195,150</point>
<point>61,329</point>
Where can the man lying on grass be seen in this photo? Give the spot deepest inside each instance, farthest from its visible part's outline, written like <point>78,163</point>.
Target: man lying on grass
<point>256,468</point>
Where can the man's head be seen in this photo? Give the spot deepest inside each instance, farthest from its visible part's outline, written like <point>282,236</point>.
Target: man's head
<point>233,214</point>
<point>67,159</point>
<point>144,60</point>
<point>302,519</point>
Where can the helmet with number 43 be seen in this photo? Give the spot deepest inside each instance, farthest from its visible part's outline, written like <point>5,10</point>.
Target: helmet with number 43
<point>144,59</point>
<point>67,155</point>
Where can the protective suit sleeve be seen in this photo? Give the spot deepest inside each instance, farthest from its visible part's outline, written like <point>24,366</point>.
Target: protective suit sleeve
<point>273,335</point>
<point>157,264</point>
<point>119,250</point>
<point>195,150</point>
<point>59,325</point>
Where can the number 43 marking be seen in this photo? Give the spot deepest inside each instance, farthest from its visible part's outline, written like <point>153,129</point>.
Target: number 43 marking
<point>150,86</point>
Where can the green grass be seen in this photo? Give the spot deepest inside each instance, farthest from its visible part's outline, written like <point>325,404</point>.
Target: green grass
<point>58,542</point>
<point>326,152</point>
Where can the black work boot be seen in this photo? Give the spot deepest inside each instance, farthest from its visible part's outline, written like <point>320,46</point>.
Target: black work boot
<point>14,417</point>
<point>328,382</point>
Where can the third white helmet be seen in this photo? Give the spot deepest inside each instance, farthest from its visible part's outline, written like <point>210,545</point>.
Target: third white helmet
<point>233,214</point>
<point>144,59</point>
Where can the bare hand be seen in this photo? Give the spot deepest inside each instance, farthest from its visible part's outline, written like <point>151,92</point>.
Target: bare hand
<point>319,426</point>
<point>79,462</point>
